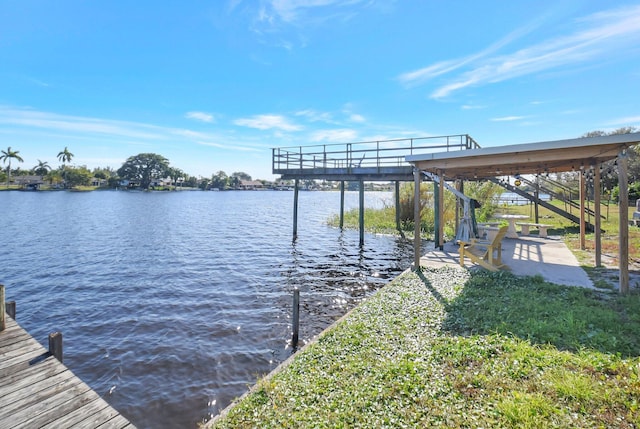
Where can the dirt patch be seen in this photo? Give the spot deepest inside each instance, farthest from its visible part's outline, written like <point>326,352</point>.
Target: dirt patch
<point>608,275</point>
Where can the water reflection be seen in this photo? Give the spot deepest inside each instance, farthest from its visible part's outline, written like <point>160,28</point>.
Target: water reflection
<point>174,303</point>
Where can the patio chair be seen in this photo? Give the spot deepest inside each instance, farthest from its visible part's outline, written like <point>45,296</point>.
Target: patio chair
<point>486,253</point>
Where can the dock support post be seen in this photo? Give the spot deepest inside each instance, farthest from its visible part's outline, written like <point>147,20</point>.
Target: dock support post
<point>436,214</point>
<point>296,317</point>
<point>416,220</point>
<point>398,227</point>
<point>459,207</point>
<point>623,208</point>
<point>361,214</point>
<point>55,345</point>
<point>537,198</point>
<point>341,204</point>
<point>10,309</point>
<point>596,209</point>
<point>583,226</point>
<point>295,210</point>
<point>2,316</point>
<point>441,210</point>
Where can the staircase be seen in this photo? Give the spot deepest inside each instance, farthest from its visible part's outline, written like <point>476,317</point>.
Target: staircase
<point>590,227</point>
<point>548,186</point>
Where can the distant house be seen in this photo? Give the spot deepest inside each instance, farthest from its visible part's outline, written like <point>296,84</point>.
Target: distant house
<point>98,182</point>
<point>283,185</point>
<point>28,182</point>
<point>129,184</point>
<point>250,185</point>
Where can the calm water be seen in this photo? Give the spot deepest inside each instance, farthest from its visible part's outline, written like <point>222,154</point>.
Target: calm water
<point>172,304</point>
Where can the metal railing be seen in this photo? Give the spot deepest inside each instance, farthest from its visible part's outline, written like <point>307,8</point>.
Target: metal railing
<point>371,154</point>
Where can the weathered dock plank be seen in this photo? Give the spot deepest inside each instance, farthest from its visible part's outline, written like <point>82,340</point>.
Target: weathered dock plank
<point>83,417</point>
<point>36,390</point>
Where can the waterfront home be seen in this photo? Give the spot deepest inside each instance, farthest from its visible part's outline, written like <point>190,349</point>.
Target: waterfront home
<point>31,183</point>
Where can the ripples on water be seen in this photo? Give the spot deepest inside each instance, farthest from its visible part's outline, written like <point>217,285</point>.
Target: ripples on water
<point>172,304</point>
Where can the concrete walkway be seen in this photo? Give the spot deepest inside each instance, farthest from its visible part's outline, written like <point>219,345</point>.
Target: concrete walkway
<point>525,256</point>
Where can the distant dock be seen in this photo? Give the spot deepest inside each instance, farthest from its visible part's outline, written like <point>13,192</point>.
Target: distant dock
<point>38,391</point>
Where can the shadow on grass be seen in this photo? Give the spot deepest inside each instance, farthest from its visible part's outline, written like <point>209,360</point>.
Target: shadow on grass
<point>569,318</point>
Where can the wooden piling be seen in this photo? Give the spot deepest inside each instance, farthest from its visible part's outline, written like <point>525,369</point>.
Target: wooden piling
<point>361,213</point>
<point>55,345</point>
<point>296,317</point>
<point>341,204</point>
<point>295,209</point>
<point>10,309</point>
<point>2,316</point>
<point>397,195</point>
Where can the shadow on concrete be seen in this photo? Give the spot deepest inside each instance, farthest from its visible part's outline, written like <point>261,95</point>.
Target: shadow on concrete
<point>525,256</point>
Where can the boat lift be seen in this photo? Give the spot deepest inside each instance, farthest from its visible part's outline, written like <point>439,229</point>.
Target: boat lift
<point>467,228</point>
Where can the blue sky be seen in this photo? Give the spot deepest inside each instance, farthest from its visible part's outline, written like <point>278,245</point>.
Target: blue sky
<point>214,85</point>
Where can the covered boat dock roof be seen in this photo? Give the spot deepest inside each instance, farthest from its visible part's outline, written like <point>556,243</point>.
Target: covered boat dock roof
<point>539,158</point>
<point>531,158</point>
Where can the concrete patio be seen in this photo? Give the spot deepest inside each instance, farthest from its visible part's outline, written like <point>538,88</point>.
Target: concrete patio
<point>525,256</point>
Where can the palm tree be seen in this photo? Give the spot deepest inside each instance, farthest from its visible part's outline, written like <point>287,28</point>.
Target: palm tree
<point>42,168</point>
<point>65,156</point>
<point>8,155</point>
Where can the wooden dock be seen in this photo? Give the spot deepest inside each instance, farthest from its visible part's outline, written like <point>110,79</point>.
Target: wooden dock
<point>38,391</point>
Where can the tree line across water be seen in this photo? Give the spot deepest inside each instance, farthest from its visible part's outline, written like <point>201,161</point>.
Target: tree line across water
<point>144,171</point>
<point>150,170</point>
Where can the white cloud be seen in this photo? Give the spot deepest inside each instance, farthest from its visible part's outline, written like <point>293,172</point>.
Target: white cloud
<point>200,116</point>
<point>602,34</point>
<point>472,107</point>
<point>286,23</point>
<point>266,122</point>
<point>315,116</point>
<point>354,117</point>
<point>54,122</point>
<point>291,10</point>
<point>626,120</point>
<point>336,136</point>
<point>347,109</point>
<point>508,118</point>
<point>421,75</point>
<point>228,146</point>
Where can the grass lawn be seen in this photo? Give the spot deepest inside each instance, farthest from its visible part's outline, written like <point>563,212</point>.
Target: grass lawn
<point>452,348</point>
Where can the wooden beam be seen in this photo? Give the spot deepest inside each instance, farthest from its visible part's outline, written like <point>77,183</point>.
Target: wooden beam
<point>623,207</point>
<point>523,159</point>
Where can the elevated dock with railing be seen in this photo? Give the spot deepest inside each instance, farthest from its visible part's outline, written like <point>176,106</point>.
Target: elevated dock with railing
<point>381,160</point>
<point>370,161</point>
